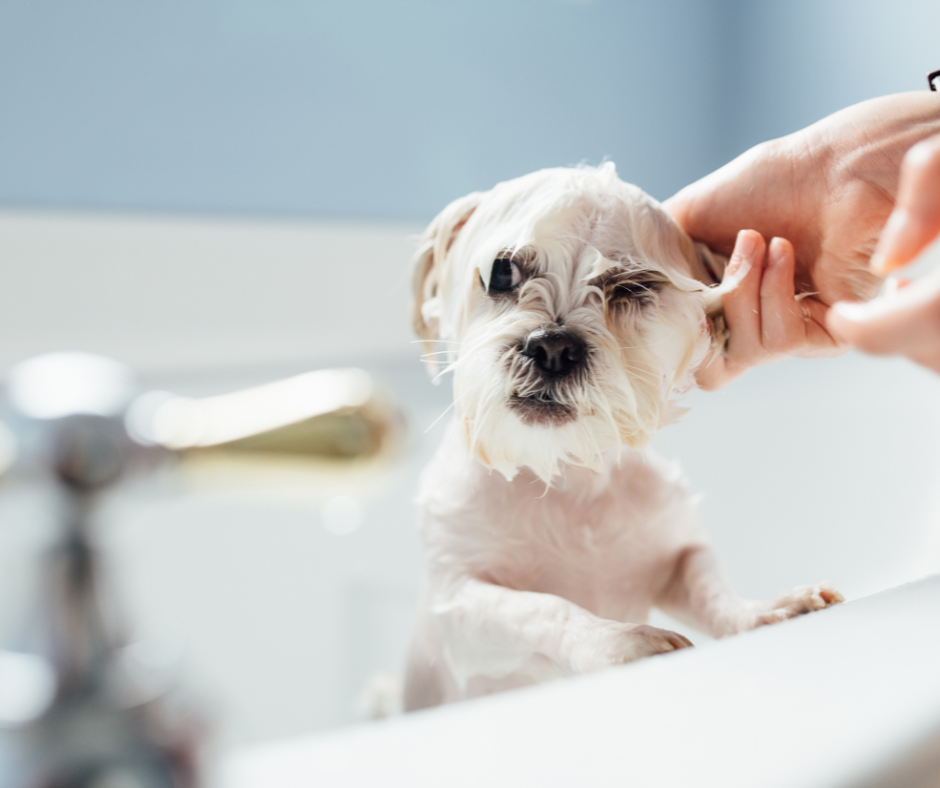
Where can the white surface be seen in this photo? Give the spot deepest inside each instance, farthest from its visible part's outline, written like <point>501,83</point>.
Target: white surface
<point>808,470</point>
<point>164,293</point>
<point>848,696</point>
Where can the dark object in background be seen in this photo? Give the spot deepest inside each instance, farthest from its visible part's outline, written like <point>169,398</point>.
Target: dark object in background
<point>101,727</point>
<point>79,423</point>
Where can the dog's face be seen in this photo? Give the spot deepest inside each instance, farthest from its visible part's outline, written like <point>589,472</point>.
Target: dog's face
<point>568,310</point>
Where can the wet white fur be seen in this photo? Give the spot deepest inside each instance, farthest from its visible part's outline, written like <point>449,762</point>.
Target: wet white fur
<point>548,545</point>
<point>574,224</point>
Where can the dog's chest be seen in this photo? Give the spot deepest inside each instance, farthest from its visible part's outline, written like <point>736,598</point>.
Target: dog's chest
<point>606,546</point>
<point>605,541</point>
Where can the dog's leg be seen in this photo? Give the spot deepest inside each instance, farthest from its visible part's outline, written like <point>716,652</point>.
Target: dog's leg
<point>697,595</point>
<point>493,631</point>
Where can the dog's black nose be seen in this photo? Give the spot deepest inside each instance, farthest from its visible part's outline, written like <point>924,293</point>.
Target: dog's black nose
<point>555,351</point>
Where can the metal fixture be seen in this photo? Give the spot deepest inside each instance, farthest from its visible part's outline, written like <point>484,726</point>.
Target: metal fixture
<point>73,716</point>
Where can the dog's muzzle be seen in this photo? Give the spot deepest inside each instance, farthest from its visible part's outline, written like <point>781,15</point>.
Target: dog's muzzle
<point>553,356</point>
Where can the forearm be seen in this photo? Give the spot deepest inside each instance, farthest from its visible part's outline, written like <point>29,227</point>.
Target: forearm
<point>492,630</point>
<point>697,595</point>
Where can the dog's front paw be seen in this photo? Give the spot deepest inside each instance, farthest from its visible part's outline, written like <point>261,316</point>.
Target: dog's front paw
<point>615,644</point>
<point>801,600</point>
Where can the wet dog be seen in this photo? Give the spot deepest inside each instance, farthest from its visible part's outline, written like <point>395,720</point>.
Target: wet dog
<point>572,310</point>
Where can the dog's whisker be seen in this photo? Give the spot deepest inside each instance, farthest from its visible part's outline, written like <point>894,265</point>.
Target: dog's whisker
<point>641,373</point>
<point>440,375</point>
<point>447,410</point>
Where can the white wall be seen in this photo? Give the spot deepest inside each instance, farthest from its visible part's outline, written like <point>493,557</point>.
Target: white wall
<point>175,294</point>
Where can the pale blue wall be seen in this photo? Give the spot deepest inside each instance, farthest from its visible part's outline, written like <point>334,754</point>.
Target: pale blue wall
<point>352,108</point>
<point>788,64</point>
<point>390,108</point>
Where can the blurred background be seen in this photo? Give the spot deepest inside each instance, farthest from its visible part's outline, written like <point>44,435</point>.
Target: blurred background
<point>224,192</point>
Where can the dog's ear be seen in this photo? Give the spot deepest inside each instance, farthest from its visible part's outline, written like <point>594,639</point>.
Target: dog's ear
<point>714,265</point>
<point>709,267</point>
<point>429,270</point>
<point>705,265</point>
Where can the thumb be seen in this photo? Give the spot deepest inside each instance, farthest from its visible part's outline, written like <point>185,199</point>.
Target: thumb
<point>915,221</point>
<point>906,323</point>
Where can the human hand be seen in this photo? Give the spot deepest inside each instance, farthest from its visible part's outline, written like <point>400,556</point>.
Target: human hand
<point>908,321</point>
<point>828,189</point>
<point>766,320</point>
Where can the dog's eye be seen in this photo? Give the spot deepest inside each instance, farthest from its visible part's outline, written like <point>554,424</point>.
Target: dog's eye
<point>504,276</point>
<point>631,290</point>
<point>635,290</point>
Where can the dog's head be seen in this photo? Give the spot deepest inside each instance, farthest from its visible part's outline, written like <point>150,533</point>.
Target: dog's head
<point>571,309</point>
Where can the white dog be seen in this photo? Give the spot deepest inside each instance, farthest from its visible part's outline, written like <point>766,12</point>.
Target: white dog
<point>572,309</point>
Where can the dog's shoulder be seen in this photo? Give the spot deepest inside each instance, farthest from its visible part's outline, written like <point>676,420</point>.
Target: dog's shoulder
<point>647,469</point>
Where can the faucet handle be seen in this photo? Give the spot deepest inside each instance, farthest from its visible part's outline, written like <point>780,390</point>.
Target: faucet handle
<point>333,415</point>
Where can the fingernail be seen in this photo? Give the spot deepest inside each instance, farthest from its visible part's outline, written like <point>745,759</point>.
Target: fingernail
<point>888,288</point>
<point>882,262</point>
<point>777,251</point>
<point>851,310</point>
<point>891,286</point>
<point>739,265</point>
<point>744,246</point>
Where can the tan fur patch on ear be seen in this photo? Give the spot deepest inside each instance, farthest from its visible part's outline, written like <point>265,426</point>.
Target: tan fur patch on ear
<point>429,267</point>
<point>423,328</point>
<point>709,268</point>
<point>714,263</point>
<point>719,331</point>
<point>704,265</point>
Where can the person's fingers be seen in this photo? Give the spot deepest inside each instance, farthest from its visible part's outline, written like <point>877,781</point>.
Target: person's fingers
<point>782,328</point>
<point>717,371</point>
<point>742,305</point>
<point>742,316</point>
<point>915,220</point>
<point>712,375</point>
<point>791,326</point>
<point>819,341</point>
<point>906,323</point>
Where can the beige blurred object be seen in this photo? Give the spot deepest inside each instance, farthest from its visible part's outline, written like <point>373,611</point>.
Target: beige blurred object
<point>332,424</point>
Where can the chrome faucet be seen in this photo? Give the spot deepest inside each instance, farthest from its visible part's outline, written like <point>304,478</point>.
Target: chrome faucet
<point>80,422</point>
